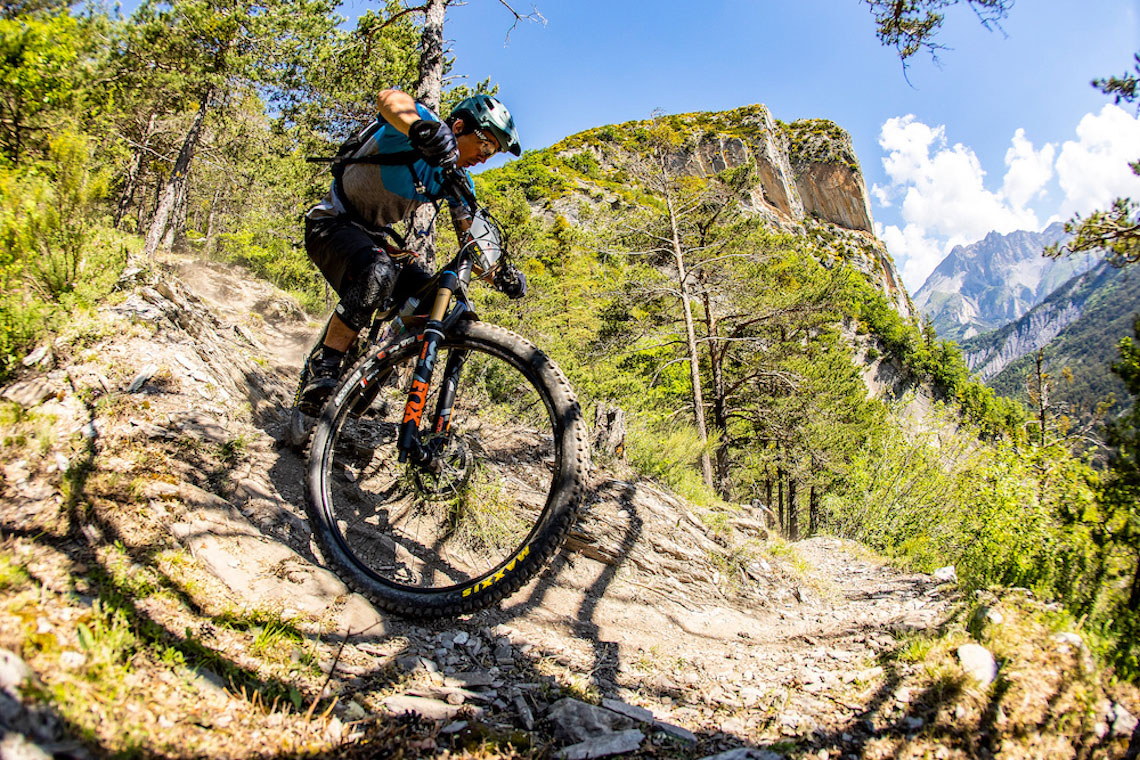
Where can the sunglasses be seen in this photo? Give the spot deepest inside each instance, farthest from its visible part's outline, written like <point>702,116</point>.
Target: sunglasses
<point>488,146</point>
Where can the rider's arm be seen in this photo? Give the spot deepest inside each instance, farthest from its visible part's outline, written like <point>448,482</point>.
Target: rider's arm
<point>398,108</point>
<point>432,138</point>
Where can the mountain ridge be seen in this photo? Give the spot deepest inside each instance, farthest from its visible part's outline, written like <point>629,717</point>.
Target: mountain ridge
<point>983,285</point>
<point>1076,328</point>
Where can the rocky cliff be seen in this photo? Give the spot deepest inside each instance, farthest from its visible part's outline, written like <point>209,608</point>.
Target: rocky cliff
<point>809,177</point>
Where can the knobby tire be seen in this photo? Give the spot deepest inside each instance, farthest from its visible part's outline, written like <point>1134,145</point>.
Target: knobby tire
<point>424,545</point>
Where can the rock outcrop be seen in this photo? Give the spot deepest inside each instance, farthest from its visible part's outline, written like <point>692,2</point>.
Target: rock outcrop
<point>809,180</point>
<point>827,174</point>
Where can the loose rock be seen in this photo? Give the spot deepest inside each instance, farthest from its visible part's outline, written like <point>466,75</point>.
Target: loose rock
<point>604,745</point>
<point>977,661</point>
<point>576,721</point>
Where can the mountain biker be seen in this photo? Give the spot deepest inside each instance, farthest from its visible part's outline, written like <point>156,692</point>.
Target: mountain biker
<point>344,232</point>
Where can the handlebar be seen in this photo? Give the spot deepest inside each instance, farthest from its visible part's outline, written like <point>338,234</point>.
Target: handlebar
<point>455,180</point>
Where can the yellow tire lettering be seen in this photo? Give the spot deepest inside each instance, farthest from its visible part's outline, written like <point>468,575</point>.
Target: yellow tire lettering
<point>486,583</point>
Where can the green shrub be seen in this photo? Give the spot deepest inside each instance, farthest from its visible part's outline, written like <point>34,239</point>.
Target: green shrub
<point>55,254</point>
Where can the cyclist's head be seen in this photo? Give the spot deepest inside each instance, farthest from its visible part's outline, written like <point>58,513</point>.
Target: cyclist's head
<point>491,124</point>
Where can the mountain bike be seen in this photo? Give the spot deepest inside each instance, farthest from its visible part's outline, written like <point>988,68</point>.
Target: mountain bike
<point>447,466</point>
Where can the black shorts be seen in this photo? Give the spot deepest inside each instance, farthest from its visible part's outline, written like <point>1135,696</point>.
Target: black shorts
<point>343,251</point>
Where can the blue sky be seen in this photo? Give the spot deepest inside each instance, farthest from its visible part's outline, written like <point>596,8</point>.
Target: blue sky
<point>941,153</point>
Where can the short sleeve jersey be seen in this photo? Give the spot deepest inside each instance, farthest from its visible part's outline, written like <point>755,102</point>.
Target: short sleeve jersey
<point>385,195</point>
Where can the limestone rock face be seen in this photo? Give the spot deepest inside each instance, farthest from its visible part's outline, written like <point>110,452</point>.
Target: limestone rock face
<point>827,174</point>
<point>836,194</point>
<point>763,142</point>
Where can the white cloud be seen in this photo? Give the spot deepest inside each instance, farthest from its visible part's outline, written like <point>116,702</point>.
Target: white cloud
<point>882,195</point>
<point>917,255</point>
<point>1094,169</point>
<point>1029,170</point>
<point>945,201</point>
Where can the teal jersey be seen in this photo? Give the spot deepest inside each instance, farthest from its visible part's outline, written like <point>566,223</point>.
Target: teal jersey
<point>385,195</point>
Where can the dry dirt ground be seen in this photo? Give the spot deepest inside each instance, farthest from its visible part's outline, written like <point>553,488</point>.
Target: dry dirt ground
<point>159,595</point>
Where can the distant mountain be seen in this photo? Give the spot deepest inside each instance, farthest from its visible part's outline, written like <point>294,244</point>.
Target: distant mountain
<point>984,285</point>
<point>1078,326</point>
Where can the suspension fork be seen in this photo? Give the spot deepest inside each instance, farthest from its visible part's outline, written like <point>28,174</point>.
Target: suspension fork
<point>410,445</point>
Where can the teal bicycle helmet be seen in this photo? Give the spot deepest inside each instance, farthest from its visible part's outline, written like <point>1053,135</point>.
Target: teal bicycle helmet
<point>486,112</point>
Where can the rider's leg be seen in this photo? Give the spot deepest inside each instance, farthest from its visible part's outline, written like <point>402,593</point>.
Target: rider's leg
<point>338,335</point>
<point>364,282</point>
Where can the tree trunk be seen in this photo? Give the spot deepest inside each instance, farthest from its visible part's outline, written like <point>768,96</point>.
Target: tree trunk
<point>793,512</point>
<point>429,91</point>
<point>767,488</point>
<point>780,498</point>
<point>690,330</point>
<point>1134,597</point>
<point>813,510</point>
<point>719,402</point>
<point>609,430</point>
<point>134,172</point>
<point>1042,392</point>
<point>176,230</point>
<point>145,213</point>
<point>175,184</point>
<point>429,88</point>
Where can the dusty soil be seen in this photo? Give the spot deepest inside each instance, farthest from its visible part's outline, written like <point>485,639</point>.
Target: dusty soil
<point>158,578</point>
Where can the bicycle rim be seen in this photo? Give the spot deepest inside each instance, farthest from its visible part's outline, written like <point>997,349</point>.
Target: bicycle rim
<point>434,533</point>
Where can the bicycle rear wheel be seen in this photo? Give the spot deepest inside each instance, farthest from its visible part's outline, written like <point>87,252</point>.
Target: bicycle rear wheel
<point>514,461</point>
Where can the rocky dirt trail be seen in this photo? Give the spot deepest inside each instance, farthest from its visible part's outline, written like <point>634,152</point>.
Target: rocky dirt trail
<point>145,492</point>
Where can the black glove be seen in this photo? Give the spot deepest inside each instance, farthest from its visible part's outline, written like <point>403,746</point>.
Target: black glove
<point>435,141</point>
<point>511,281</point>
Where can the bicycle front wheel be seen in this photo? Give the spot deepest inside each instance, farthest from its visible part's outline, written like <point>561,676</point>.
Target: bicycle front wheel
<point>513,462</point>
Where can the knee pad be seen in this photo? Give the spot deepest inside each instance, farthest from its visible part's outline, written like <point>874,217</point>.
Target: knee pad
<point>365,291</point>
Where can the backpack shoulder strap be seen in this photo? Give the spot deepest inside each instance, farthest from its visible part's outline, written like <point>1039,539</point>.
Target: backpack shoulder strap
<point>348,149</point>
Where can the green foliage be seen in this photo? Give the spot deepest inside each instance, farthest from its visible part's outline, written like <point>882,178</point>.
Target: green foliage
<point>332,81</point>
<point>1124,88</point>
<point>535,173</point>
<point>929,359</point>
<point>107,640</point>
<point>665,452</point>
<point>55,253</point>
<point>1120,512</point>
<point>37,80</point>
<point>584,163</point>
<point>1115,230</point>
<point>819,141</point>
<point>47,219</point>
<point>910,26</point>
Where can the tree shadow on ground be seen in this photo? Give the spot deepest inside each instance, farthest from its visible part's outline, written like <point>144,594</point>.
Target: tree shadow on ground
<point>952,713</point>
<point>111,572</point>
